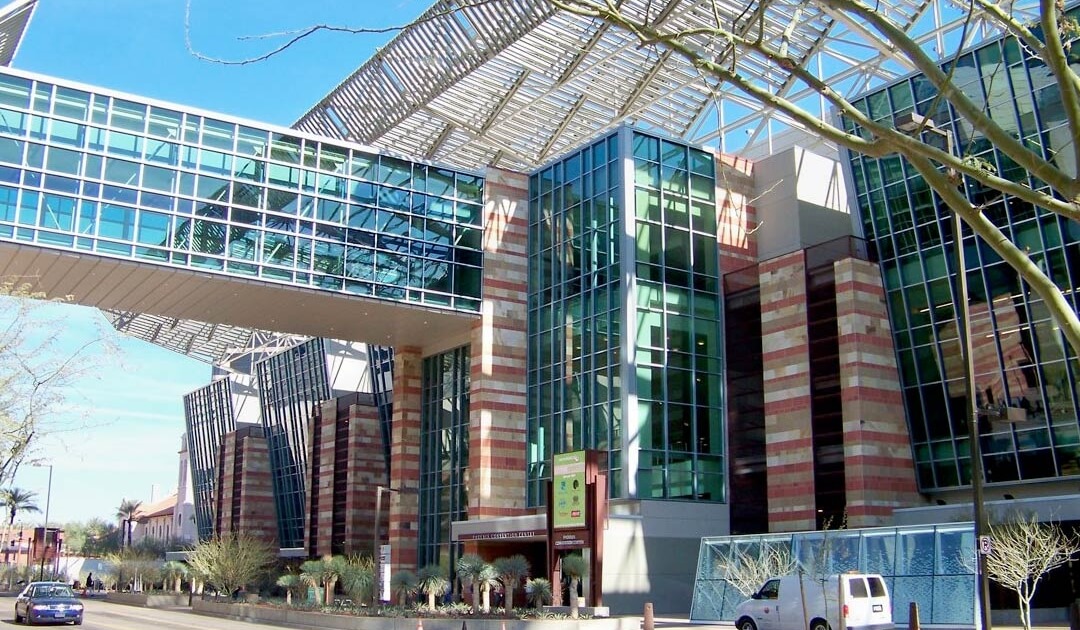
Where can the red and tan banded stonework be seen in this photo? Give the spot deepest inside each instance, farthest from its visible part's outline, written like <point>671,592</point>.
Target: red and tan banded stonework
<point>878,470</point>
<point>786,378</point>
<point>405,455</point>
<point>497,396</point>
<point>245,494</point>
<point>346,439</point>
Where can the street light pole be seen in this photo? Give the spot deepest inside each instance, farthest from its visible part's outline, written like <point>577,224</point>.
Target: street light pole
<point>912,123</point>
<point>972,412</point>
<point>45,537</point>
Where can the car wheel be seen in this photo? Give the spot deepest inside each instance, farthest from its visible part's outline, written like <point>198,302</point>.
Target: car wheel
<point>78,622</point>
<point>746,623</point>
<point>819,624</point>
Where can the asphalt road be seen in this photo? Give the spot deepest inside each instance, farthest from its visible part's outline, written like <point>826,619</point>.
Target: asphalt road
<point>101,615</point>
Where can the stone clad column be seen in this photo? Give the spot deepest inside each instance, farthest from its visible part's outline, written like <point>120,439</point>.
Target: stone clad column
<point>497,432</point>
<point>878,469</point>
<point>400,509</point>
<point>365,470</point>
<point>786,378</point>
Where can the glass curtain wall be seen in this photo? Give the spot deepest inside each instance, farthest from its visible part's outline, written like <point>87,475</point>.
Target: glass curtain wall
<point>119,177</point>
<point>381,366</point>
<point>678,347</point>
<point>291,384</point>
<point>585,270</point>
<point>575,398</point>
<point>928,565</point>
<point>444,456</point>
<point>208,413</point>
<point>1019,356</point>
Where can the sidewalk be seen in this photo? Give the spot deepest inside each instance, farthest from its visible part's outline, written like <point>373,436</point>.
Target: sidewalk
<point>683,623</point>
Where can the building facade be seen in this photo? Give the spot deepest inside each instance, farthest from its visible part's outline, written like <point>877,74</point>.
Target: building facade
<point>731,351</point>
<point>1019,357</point>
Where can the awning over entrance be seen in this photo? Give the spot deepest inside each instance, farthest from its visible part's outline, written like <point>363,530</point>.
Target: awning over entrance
<point>532,527</point>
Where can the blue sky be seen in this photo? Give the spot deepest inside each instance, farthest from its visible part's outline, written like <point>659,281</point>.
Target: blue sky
<point>137,46</point>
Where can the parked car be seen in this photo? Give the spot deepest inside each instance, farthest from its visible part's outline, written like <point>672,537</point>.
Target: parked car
<point>793,601</point>
<point>48,602</point>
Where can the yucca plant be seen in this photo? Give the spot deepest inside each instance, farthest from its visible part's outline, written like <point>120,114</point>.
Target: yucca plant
<point>290,582</point>
<point>538,592</point>
<point>433,581</point>
<point>403,584</point>
<point>575,568</point>
<point>469,568</point>
<point>511,571</point>
<point>313,573</point>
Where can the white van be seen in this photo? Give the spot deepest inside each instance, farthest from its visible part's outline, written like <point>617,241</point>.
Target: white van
<point>849,601</point>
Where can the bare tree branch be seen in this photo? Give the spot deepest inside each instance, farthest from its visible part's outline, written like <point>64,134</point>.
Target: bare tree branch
<point>1023,551</point>
<point>294,36</point>
<point>880,138</point>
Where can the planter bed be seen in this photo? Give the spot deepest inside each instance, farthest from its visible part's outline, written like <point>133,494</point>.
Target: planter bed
<point>345,621</point>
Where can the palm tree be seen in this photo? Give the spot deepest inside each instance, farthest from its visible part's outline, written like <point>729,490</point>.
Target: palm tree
<point>511,571</point>
<point>126,514</point>
<point>16,500</point>
<point>574,567</point>
<point>433,581</point>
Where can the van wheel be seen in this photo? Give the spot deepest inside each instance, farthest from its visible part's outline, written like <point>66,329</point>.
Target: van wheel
<point>746,623</point>
<point>819,624</point>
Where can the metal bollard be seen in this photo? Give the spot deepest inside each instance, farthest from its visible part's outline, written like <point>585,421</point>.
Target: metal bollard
<point>648,623</point>
<point>913,616</point>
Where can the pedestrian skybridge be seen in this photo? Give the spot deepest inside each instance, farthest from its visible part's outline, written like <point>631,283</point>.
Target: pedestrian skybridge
<point>135,206</point>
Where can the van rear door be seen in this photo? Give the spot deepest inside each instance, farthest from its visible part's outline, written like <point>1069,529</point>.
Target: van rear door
<point>880,604</point>
<point>866,605</point>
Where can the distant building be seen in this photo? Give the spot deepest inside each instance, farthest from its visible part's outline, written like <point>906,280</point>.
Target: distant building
<point>155,521</point>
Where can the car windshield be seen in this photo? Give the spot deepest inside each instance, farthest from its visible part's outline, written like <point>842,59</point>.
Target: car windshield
<point>53,591</point>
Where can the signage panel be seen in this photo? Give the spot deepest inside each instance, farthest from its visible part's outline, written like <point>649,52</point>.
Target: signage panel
<point>568,488</point>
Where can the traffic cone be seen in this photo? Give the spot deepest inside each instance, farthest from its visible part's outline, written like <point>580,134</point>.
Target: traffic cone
<point>419,623</point>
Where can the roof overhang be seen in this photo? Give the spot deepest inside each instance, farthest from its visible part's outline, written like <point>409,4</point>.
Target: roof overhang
<point>14,18</point>
<point>175,303</point>
<point>515,83</point>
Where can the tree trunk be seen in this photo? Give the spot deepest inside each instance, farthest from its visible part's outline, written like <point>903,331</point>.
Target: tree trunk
<point>1025,610</point>
<point>573,598</point>
<point>288,597</point>
<point>475,597</point>
<point>509,604</point>
<point>329,595</point>
<point>431,600</point>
